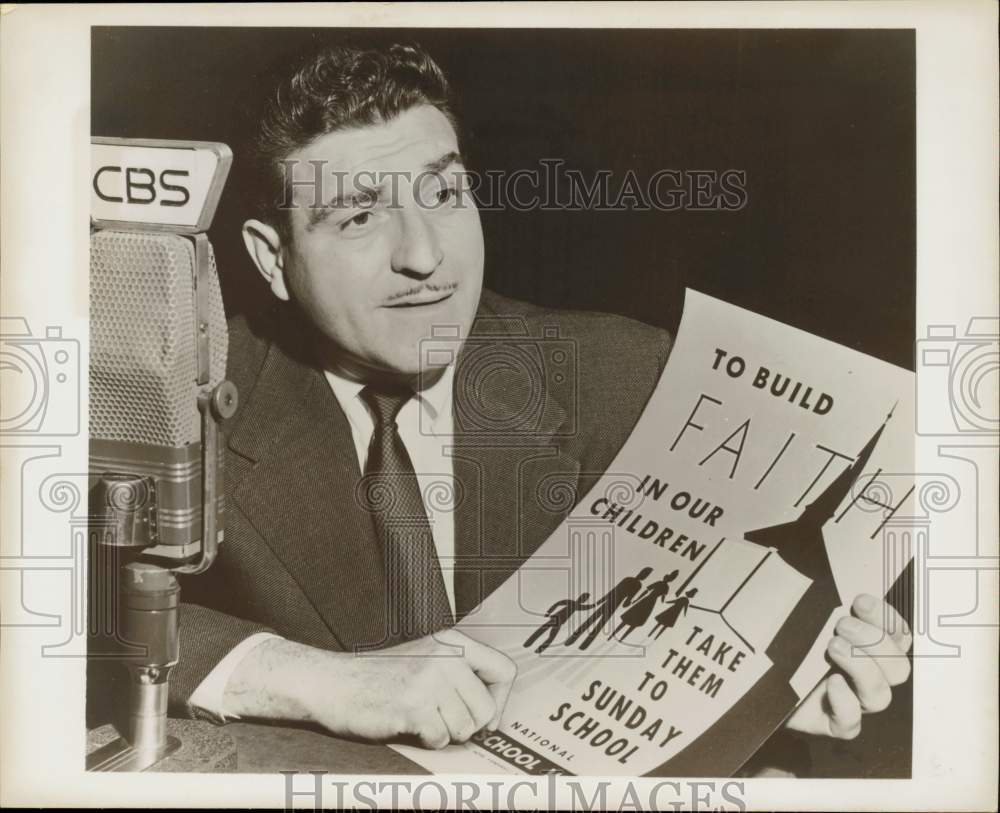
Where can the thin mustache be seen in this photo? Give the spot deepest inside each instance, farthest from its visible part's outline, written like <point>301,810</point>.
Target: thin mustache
<point>419,289</point>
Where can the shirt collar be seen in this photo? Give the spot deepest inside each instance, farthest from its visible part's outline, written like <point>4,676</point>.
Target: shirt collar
<point>434,400</point>
<point>437,397</point>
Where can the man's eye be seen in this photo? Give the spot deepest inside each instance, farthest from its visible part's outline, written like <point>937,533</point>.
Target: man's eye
<point>446,194</point>
<point>359,219</point>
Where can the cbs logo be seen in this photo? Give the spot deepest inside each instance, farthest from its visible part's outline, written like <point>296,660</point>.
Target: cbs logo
<point>141,185</point>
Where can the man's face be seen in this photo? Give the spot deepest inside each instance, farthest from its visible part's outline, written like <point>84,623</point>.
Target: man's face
<point>397,248</point>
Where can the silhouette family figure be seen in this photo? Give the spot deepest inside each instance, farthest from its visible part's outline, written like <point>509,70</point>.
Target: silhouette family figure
<point>559,613</point>
<point>639,613</point>
<point>677,607</point>
<point>622,595</point>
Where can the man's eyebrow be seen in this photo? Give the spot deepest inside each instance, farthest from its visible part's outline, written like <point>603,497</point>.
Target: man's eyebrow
<point>369,196</point>
<point>366,197</point>
<point>445,161</point>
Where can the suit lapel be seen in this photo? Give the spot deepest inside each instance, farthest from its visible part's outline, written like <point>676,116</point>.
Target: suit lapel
<point>298,494</point>
<point>516,480</point>
<point>296,479</point>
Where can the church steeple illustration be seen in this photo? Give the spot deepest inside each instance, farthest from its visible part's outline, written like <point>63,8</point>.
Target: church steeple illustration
<point>800,542</point>
<point>801,545</point>
<point>823,507</point>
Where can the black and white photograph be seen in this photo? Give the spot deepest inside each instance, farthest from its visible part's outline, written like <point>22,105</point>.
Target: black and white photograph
<point>561,404</point>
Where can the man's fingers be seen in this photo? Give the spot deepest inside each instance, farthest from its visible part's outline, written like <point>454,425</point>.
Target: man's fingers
<point>870,684</point>
<point>500,692</point>
<point>430,727</point>
<point>844,709</point>
<point>880,614</point>
<point>873,642</point>
<point>870,648</point>
<point>493,668</point>
<point>456,716</point>
<point>476,696</point>
<point>491,665</point>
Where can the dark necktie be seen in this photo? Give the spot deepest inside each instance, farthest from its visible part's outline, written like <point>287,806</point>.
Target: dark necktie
<point>417,601</point>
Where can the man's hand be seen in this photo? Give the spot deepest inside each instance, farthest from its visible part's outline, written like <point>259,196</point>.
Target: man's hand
<point>440,689</point>
<point>869,650</point>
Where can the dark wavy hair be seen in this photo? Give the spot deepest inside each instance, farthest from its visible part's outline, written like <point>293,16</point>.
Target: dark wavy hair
<point>333,89</point>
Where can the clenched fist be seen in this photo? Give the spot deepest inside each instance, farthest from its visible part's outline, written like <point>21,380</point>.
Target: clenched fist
<point>440,689</point>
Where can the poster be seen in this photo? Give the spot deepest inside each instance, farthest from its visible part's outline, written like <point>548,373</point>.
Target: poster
<point>682,609</point>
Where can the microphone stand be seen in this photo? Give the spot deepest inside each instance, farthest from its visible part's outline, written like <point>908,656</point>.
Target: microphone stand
<point>126,504</point>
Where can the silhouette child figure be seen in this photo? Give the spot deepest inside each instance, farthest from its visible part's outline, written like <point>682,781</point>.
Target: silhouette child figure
<point>639,613</point>
<point>675,609</point>
<point>559,613</point>
<point>619,595</point>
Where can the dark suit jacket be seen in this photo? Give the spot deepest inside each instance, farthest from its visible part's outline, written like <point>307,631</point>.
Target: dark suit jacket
<point>543,400</point>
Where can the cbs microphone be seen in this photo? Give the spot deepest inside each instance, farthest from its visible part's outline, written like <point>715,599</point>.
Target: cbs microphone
<point>158,392</point>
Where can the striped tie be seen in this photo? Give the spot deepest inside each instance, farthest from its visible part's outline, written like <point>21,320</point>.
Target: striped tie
<point>417,600</point>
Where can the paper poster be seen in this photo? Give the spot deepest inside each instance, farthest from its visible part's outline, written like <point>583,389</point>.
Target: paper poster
<point>682,609</point>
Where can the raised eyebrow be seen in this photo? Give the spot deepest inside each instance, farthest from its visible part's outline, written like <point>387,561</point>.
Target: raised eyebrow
<point>319,214</point>
<point>445,161</point>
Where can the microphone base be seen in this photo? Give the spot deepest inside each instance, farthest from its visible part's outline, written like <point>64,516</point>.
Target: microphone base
<point>193,746</point>
<point>121,755</point>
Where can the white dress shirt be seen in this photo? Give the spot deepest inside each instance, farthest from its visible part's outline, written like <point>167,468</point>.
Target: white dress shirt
<point>425,425</point>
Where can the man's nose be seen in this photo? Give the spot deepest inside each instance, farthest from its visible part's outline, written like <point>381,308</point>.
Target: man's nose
<point>418,251</point>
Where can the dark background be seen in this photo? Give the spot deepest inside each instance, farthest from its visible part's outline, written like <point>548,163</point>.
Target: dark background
<point>822,122</point>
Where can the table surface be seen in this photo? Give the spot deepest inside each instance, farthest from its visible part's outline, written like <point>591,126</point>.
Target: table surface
<point>269,748</point>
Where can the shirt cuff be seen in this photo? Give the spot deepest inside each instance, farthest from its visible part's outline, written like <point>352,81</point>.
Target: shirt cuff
<point>209,696</point>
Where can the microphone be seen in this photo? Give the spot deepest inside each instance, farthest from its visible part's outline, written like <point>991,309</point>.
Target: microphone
<point>158,345</point>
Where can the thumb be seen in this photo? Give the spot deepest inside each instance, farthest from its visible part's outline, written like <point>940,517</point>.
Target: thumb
<point>845,708</point>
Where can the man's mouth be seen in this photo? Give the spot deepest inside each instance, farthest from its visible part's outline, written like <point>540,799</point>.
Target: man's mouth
<point>422,298</point>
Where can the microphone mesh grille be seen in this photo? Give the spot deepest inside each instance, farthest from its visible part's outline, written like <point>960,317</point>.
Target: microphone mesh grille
<point>143,333</point>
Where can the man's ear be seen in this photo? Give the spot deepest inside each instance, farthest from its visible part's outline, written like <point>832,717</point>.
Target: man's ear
<point>263,244</point>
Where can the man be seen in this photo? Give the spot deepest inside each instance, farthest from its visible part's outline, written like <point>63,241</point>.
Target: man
<point>331,599</point>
